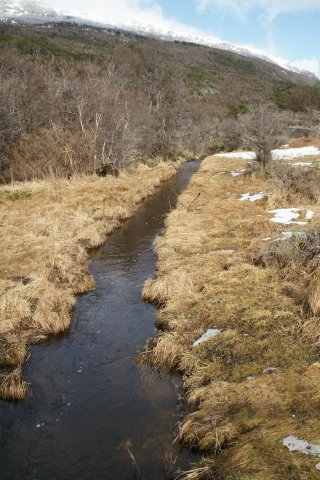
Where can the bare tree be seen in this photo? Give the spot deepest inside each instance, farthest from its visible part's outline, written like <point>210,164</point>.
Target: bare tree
<point>262,129</point>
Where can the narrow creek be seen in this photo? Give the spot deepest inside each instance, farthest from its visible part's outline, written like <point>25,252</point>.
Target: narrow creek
<point>89,401</point>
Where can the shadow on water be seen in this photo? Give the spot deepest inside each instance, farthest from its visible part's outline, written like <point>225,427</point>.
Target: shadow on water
<point>89,401</point>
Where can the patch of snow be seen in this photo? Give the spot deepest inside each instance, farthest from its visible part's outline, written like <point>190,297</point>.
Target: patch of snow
<point>309,215</point>
<point>286,216</point>
<point>318,466</point>
<point>250,378</point>
<point>210,333</point>
<point>270,370</point>
<point>289,153</point>
<point>287,234</point>
<point>243,155</point>
<point>278,154</point>
<point>294,444</point>
<point>254,197</point>
<point>302,164</point>
<point>237,173</point>
<point>266,239</point>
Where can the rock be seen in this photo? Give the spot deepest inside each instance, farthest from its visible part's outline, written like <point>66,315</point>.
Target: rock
<point>270,370</point>
<point>210,333</point>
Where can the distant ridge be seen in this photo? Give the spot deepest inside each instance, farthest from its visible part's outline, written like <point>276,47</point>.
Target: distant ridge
<point>33,12</point>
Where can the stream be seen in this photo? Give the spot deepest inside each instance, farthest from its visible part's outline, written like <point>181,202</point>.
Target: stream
<point>92,413</point>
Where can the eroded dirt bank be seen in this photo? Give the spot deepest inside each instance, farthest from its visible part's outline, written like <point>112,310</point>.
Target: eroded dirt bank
<point>46,229</point>
<point>251,284</point>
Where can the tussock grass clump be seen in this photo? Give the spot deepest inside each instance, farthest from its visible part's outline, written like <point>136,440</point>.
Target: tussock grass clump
<point>12,387</point>
<point>224,265</point>
<point>295,184</point>
<point>298,260</point>
<point>46,229</point>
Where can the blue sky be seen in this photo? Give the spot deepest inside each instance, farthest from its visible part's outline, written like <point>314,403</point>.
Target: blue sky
<point>291,32</point>
<point>289,29</point>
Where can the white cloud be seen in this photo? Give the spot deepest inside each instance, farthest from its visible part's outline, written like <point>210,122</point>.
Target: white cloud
<point>270,8</point>
<point>123,12</point>
<point>310,64</point>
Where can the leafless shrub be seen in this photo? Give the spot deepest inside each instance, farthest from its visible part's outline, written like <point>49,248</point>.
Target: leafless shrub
<point>294,182</point>
<point>262,129</point>
<point>89,118</point>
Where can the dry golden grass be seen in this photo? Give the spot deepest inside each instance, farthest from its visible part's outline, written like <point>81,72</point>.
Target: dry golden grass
<point>268,318</point>
<point>304,142</point>
<point>46,229</point>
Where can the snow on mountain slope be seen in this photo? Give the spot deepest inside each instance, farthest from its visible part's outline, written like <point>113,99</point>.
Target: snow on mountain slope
<point>33,12</point>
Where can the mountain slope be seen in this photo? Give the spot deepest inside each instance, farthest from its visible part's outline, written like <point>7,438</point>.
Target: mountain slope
<point>32,12</point>
<point>74,93</point>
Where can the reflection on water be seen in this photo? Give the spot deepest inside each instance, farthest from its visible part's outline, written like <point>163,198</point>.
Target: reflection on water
<point>92,413</point>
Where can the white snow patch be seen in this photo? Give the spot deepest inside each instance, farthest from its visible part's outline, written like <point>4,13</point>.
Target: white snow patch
<point>309,215</point>
<point>244,155</point>
<point>237,173</point>
<point>210,333</point>
<point>278,154</point>
<point>289,153</point>
<point>254,197</point>
<point>286,216</point>
<point>287,235</point>
<point>302,164</point>
<point>294,444</point>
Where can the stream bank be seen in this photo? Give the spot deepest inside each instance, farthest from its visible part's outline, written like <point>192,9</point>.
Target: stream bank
<point>90,404</point>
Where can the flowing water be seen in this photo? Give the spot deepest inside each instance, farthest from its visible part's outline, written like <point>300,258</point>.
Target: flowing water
<point>92,413</point>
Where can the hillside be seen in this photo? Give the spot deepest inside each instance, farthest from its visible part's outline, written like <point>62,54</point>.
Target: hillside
<point>166,98</point>
<point>223,258</point>
<point>33,12</point>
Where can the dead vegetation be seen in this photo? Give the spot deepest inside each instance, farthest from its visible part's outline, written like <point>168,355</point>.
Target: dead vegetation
<point>46,229</point>
<point>222,264</point>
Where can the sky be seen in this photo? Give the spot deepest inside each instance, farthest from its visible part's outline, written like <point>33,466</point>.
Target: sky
<point>287,29</point>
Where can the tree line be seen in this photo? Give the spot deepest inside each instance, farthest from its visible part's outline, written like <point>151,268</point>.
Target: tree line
<point>63,114</point>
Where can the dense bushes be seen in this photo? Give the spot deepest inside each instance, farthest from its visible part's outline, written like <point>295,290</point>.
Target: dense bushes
<point>67,117</point>
<point>82,100</point>
<point>79,117</point>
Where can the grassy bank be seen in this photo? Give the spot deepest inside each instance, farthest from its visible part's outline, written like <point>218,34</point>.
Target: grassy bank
<point>222,264</point>
<point>45,231</point>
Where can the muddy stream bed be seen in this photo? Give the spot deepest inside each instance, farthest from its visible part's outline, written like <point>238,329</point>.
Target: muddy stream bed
<point>89,401</point>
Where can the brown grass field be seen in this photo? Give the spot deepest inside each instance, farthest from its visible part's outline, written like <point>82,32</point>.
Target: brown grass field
<point>46,229</point>
<point>264,296</point>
